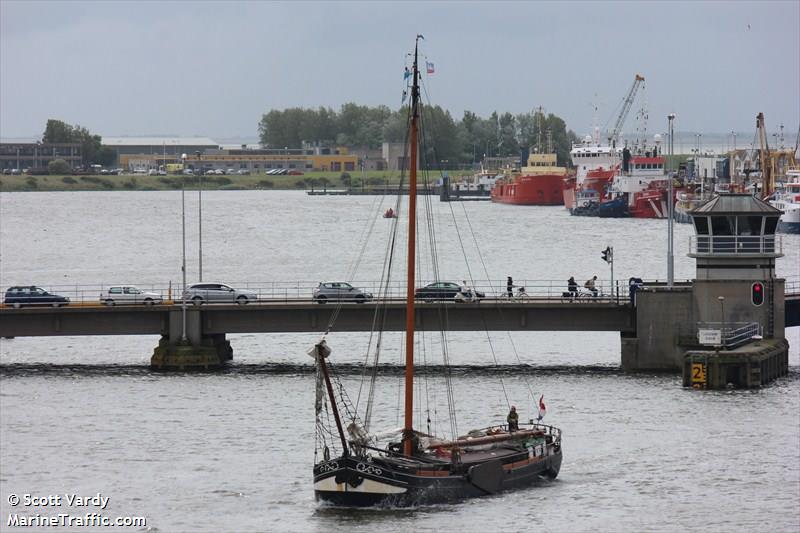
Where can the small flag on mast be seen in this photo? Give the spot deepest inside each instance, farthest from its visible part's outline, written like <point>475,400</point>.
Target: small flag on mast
<point>542,408</point>
<point>429,67</point>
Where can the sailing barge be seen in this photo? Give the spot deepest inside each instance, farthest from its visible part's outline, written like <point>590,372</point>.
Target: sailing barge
<point>408,467</point>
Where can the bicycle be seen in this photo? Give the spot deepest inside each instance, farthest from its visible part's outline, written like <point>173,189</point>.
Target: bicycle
<point>520,295</point>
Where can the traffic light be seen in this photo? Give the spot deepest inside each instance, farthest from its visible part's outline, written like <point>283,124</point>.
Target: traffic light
<point>607,254</point>
<point>757,293</point>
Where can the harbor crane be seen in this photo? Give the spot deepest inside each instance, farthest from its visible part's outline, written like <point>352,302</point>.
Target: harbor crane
<point>626,107</point>
<point>767,174</point>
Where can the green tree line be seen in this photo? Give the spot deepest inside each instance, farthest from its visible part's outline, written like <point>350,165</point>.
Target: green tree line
<point>458,142</point>
<point>92,150</point>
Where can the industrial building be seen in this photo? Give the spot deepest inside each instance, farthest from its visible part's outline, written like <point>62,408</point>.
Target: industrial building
<point>34,155</point>
<point>198,153</point>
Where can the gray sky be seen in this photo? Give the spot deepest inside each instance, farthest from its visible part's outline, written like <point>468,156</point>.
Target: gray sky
<point>212,68</point>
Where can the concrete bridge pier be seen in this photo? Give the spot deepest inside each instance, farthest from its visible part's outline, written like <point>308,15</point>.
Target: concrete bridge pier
<point>194,352</point>
<point>663,329</point>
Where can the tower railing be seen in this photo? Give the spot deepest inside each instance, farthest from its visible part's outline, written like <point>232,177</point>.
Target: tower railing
<point>735,244</point>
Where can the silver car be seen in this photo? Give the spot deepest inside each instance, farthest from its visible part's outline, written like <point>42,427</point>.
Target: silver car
<point>129,295</point>
<point>339,291</point>
<point>200,293</point>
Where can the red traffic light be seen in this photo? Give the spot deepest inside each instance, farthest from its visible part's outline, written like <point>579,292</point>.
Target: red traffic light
<point>757,293</point>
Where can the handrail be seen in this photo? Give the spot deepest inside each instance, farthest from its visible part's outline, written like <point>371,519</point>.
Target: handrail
<point>734,334</point>
<point>735,244</point>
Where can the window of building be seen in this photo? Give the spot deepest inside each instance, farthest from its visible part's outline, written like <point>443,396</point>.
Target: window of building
<point>349,165</point>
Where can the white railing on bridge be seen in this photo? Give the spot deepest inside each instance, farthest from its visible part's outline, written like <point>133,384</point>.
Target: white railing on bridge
<point>735,244</point>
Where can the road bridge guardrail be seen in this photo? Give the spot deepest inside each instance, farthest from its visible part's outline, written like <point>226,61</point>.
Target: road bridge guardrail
<point>302,291</point>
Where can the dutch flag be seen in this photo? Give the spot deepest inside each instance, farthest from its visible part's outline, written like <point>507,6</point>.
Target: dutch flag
<point>542,408</point>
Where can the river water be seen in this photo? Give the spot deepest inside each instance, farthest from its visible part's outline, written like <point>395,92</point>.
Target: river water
<point>233,451</point>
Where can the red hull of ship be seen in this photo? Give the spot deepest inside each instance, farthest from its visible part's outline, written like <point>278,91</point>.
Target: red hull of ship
<point>540,189</point>
<point>569,192</point>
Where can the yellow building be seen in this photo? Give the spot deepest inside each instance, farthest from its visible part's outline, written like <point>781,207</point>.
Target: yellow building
<point>252,160</point>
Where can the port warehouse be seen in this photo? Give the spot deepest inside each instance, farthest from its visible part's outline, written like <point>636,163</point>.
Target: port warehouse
<point>145,153</point>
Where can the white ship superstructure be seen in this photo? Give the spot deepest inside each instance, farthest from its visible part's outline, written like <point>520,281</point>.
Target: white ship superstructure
<point>591,154</point>
<point>787,199</point>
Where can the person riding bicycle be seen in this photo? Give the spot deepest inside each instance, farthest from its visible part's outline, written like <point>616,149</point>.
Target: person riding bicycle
<point>590,285</point>
<point>572,287</point>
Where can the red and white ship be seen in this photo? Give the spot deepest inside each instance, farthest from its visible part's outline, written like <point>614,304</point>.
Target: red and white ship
<point>541,182</point>
<point>642,185</point>
<point>595,165</point>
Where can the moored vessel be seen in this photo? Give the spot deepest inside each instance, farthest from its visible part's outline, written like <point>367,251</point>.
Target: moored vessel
<point>787,199</point>
<point>540,182</point>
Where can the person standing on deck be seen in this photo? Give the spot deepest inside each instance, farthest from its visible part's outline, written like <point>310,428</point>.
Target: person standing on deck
<point>509,287</point>
<point>513,419</point>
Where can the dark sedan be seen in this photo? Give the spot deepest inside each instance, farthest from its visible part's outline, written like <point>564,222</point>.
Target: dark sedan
<point>19,296</point>
<point>447,290</point>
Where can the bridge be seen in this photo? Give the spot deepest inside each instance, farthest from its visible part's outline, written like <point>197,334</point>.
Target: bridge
<point>289,308</point>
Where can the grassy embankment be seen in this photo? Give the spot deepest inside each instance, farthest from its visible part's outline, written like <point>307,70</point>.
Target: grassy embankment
<point>130,182</point>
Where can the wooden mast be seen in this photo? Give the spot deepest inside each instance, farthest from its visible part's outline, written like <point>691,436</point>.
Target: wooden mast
<point>408,429</point>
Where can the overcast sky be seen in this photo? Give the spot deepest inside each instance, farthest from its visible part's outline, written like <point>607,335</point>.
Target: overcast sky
<point>212,68</point>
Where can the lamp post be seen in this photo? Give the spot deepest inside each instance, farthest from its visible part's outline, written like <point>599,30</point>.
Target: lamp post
<point>722,315</point>
<point>183,248</point>
<point>200,220</point>
<point>670,208</point>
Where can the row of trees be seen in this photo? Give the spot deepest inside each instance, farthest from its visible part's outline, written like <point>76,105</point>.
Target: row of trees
<point>462,141</point>
<point>92,150</point>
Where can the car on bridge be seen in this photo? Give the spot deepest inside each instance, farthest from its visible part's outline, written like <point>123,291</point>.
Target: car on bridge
<point>129,295</point>
<point>201,293</point>
<point>32,295</point>
<point>339,291</point>
<point>447,290</point>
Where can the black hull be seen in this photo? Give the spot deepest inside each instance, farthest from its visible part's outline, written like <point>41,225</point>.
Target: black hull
<point>350,482</point>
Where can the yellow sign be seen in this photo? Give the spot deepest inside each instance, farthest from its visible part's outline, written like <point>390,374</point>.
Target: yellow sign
<point>698,375</point>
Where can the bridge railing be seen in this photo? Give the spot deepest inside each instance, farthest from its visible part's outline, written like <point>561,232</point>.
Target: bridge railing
<point>735,244</point>
<point>734,334</point>
<point>302,291</point>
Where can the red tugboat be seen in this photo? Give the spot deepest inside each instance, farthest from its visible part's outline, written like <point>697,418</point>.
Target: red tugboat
<point>539,183</point>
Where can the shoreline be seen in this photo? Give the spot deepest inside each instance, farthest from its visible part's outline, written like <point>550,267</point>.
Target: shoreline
<point>137,182</point>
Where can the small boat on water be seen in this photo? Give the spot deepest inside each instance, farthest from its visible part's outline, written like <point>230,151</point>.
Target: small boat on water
<point>407,466</point>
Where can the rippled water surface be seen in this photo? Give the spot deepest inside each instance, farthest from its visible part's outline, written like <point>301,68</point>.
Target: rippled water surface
<point>232,451</point>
